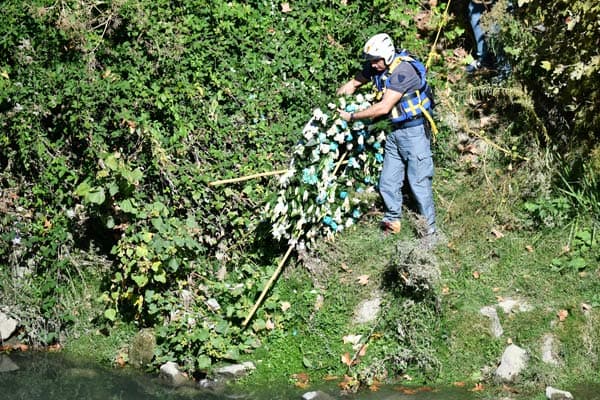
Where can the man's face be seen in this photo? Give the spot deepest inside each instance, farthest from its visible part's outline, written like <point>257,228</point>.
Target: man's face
<point>378,65</point>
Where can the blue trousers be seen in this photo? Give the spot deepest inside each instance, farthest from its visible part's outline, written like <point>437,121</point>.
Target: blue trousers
<point>408,154</point>
<point>475,12</point>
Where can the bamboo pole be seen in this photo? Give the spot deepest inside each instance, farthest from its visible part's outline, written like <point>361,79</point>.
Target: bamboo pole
<point>248,177</point>
<point>339,163</point>
<point>268,285</point>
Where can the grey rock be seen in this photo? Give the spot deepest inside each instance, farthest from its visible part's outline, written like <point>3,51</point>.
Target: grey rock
<point>7,326</point>
<point>556,394</point>
<point>235,371</point>
<point>514,360</point>
<point>6,364</point>
<point>170,372</point>
<point>548,352</point>
<point>514,305</point>
<point>495,326</point>
<point>141,349</point>
<point>316,395</point>
<point>212,384</point>
<point>367,310</point>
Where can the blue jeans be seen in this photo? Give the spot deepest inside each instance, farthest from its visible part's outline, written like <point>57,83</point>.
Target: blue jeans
<point>408,153</point>
<point>475,12</point>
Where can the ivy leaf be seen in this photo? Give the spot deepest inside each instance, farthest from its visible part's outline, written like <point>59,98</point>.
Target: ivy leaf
<point>546,65</point>
<point>110,314</point>
<point>307,363</point>
<point>203,362</point>
<point>140,280</point>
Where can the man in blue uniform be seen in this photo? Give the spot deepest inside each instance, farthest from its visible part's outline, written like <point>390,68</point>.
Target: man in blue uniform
<point>404,99</point>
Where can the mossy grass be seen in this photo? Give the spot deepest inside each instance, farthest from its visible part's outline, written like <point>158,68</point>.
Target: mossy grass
<point>490,254</point>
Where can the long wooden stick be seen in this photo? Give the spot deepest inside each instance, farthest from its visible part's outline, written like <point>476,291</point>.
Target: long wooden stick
<point>248,177</point>
<point>268,285</point>
<point>340,163</point>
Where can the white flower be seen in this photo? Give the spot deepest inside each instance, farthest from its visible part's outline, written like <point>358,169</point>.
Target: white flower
<point>324,148</point>
<point>349,222</point>
<point>340,137</point>
<point>331,106</point>
<point>342,102</point>
<point>320,116</point>
<point>381,136</point>
<point>360,98</point>
<point>310,129</point>
<point>337,215</point>
<point>332,131</point>
<point>284,179</point>
<point>281,208</point>
<point>349,146</point>
<point>305,196</point>
<point>300,223</point>
<point>361,140</point>
<point>279,231</point>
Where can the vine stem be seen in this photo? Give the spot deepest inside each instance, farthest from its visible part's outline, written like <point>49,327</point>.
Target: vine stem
<point>268,285</point>
<point>248,177</point>
<point>437,36</point>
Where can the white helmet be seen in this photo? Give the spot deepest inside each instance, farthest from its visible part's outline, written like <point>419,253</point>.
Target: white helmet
<point>380,46</point>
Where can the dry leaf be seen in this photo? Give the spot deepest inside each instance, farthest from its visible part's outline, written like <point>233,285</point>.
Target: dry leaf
<point>363,350</point>
<point>586,307</point>
<point>285,7</point>
<point>47,224</point>
<point>478,387</point>
<point>375,386</point>
<point>529,248</point>
<point>497,233</point>
<point>302,380</point>
<point>331,378</point>
<point>285,305</point>
<point>347,359</point>
<point>445,290</point>
<point>459,384</point>
<point>476,274</point>
<point>562,315</point>
<point>405,390</point>
<point>509,341</point>
<point>345,267</point>
<point>319,302</point>
<point>496,289</point>
<point>363,279</point>
<point>269,325</point>
<point>352,339</point>
<point>509,389</point>
<point>348,383</point>
<point>120,361</point>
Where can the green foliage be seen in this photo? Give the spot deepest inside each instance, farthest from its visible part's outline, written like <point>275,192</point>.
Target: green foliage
<point>583,252</point>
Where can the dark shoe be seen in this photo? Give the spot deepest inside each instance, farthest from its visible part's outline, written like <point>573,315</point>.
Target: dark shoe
<point>473,67</point>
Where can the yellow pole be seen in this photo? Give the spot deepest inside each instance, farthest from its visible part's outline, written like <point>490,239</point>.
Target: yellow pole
<point>248,177</point>
<point>339,163</point>
<point>268,285</point>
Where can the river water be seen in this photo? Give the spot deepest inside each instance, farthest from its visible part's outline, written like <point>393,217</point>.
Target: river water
<point>52,376</point>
